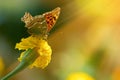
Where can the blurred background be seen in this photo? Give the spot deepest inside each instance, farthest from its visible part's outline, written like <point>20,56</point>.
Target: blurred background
<point>84,40</point>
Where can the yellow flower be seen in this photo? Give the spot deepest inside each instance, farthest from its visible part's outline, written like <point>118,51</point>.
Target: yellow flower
<point>40,46</point>
<point>79,76</point>
<point>1,66</point>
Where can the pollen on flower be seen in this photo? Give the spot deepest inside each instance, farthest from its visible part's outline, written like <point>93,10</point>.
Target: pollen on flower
<point>42,48</point>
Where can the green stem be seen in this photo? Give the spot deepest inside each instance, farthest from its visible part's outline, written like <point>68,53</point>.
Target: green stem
<point>27,59</point>
<point>20,67</point>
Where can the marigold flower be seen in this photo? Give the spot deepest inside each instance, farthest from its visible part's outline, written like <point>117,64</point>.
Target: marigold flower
<point>40,46</point>
<point>79,76</point>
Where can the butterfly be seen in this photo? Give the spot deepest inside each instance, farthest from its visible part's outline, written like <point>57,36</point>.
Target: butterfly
<point>41,24</point>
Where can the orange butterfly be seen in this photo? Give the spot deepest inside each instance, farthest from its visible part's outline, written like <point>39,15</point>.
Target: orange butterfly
<point>41,24</point>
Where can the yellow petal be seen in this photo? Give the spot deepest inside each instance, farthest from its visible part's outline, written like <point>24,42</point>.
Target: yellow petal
<point>44,52</point>
<point>27,43</point>
<point>41,62</point>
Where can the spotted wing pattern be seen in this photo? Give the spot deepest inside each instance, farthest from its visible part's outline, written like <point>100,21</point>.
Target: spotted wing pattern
<point>51,18</point>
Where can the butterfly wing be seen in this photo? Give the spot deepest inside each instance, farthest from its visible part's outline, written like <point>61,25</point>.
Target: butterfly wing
<point>51,18</point>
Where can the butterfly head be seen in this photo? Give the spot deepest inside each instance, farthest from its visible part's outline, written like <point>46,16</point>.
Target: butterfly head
<point>27,18</point>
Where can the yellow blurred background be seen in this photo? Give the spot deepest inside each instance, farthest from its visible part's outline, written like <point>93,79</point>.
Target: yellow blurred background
<point>84,40</point>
